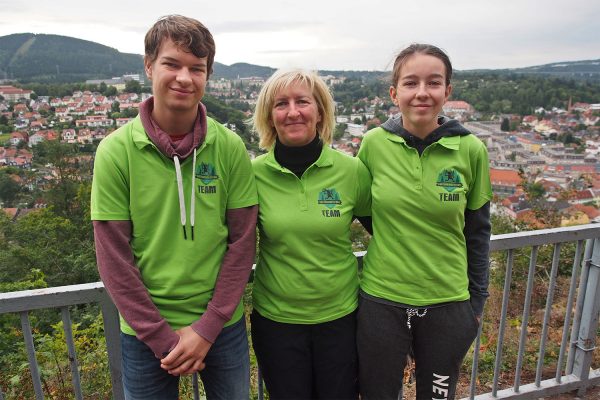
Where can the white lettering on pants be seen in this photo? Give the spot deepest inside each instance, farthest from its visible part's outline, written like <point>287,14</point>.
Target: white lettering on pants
<point>440,386</point>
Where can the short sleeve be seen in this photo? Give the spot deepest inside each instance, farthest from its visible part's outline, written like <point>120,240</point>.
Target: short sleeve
<point>241,187</point>
<point>363,152</point>
<point>363,187</point>
<point>481,187</point>
<point>110,187</point>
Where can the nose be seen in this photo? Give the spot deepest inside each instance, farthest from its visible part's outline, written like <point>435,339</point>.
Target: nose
<point>422,90</point>
<point>183,76</point>
<point>293,111</point>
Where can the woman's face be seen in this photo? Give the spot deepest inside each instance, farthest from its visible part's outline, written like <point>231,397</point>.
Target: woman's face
<point>295,115</point>
<point>420,93</point>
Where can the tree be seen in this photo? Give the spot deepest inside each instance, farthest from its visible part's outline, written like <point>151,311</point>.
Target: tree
<point>340,130</point>
<point>505,126</point>
<point>63,190</point>
<point>110,91</point>
<point>133,86</point>
<point>51,243</point>
<point>9,189</point>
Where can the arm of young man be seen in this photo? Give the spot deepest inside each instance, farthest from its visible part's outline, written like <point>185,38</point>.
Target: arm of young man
<point>188,356</point>
<point>123,282</point>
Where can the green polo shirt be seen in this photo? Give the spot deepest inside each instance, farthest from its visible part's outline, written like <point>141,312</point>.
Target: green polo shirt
<point>417,255</point>
<point>134,181</point>
<point>306,271</point>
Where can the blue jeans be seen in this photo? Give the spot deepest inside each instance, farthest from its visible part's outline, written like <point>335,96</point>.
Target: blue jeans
<point>226,376</point>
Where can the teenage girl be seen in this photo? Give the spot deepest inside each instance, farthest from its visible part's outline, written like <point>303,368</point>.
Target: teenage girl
<point>425,275</point>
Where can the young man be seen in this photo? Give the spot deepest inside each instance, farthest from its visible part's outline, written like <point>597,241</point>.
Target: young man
<point>174,213</point>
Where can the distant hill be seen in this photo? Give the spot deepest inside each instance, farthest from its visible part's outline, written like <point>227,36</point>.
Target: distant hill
<point>240,70</point>
<point>31,57</point>
<point>580,70</point>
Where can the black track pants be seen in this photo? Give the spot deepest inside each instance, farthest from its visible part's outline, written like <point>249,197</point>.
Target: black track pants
<point>439,339</point>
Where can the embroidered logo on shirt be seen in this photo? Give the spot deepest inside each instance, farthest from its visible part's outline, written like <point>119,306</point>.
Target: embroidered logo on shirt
<point>450,180</point>
<point>330,198</point>
<point>207,173</point>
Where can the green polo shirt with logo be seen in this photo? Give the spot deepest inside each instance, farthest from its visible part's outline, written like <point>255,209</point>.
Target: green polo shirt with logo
<point>417,255</point>
<point>134,181</point>
<point>306,271</point>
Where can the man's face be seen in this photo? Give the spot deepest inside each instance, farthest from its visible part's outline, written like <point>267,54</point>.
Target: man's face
<point>178,78</point>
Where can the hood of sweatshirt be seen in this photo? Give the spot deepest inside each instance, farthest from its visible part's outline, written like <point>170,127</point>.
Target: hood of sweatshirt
<point>161,139</point>
<point>447,127</point>
<point>178,151</point>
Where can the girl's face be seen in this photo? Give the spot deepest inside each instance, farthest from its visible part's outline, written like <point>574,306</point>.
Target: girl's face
<point>420,93</point>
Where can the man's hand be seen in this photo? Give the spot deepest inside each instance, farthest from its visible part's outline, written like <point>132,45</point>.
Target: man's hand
<point>188,356</point>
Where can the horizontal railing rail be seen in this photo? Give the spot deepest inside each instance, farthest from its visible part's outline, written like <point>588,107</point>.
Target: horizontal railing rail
<point>573,370</point>
<point>62,297</point>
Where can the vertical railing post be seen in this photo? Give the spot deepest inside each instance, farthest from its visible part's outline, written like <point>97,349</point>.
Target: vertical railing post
<point>587,256</point>
<point>113,345</point>
<point>75,378</point>
<point>33,364</point>
<point>586,338</point>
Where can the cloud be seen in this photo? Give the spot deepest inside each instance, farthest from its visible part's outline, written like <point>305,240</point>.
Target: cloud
<point>253,26</point>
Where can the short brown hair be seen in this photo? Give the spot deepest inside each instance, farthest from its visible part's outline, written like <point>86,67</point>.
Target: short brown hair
<point>420,48</point>
<point>282,79</point>
<point>187,33</point>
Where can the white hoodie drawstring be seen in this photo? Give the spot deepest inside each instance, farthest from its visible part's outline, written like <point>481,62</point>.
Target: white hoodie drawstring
<point>182,211</point>
<point>193,195</point>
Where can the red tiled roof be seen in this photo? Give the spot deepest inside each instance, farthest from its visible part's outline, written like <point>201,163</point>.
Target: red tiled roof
<point>504,177</point>
<point>590,211</point>
<point>584,195</point>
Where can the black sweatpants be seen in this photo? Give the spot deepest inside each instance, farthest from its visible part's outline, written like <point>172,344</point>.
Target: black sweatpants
<point>316,361</point>
<point>439,338</point>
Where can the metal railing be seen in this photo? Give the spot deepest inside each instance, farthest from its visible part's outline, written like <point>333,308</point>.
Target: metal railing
<point>62,297</point>
<point>582,322</point>
<point>581,319</point>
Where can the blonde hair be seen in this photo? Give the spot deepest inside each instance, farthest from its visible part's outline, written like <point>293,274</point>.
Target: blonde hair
<point>262,120</point>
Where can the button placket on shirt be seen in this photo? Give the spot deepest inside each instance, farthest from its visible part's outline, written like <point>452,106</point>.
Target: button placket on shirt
<point>417,169</point>
<point>303,190</point>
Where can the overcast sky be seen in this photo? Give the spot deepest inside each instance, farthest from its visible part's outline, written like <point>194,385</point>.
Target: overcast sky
<point>328,35</point>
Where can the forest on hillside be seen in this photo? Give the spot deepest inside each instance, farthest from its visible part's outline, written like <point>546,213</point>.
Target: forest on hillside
<point>53,58</point>
<point>488,93</point>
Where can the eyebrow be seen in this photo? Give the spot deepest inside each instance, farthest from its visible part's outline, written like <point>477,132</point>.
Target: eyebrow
<point>413,76</point>
<point>293,97</point>
<point>202,63</point>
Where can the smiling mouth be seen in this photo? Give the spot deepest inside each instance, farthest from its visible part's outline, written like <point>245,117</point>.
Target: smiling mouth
<point>181,91</point>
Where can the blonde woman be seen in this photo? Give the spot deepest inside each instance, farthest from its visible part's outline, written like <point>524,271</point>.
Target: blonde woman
<point>306,284</point>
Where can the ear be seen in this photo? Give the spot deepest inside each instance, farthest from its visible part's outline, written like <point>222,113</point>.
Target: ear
<point>148,67</point>
<point>448,92</point>
<point>393,93</point>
